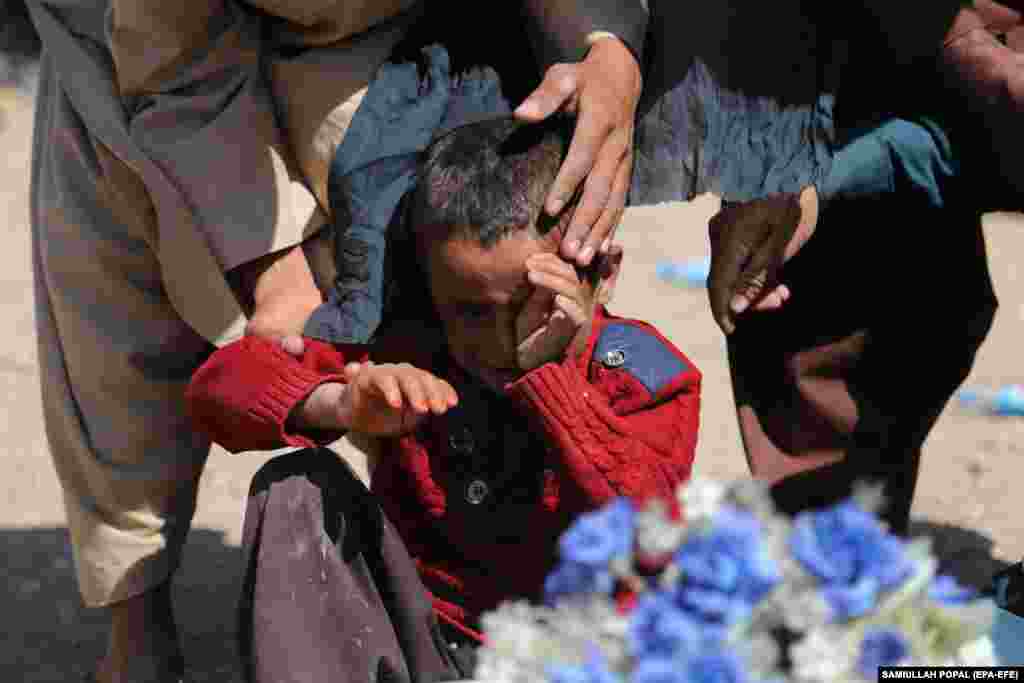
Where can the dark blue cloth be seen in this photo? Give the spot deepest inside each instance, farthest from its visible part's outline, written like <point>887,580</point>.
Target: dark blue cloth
<point>406,106</point>
<point>701,137</point>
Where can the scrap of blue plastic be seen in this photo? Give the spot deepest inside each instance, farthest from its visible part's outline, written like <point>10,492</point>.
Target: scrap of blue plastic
<point>691,273</point>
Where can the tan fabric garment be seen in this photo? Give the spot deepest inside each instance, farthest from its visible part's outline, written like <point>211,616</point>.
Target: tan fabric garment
<point>135,220</point>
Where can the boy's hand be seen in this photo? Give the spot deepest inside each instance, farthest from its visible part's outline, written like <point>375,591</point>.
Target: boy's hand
<point>556,318</point>
<point>749,243</point>
<point>380,400</point>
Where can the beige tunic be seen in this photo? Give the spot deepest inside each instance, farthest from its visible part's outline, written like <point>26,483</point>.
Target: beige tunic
<point>174,141</point>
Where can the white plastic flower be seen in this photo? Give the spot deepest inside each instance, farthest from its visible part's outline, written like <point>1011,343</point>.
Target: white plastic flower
<point>513,630</point>
<point>754,496</point>
<point>700,499</point>
<point>978,652</point>
<point>822,656</point>
<point>869,496</point>
<point>495,667</point>
<point>761,653</point>
<point>798,609</point>
<point>657,534</point>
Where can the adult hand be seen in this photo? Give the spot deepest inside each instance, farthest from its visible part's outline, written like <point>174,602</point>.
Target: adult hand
<point>989,70</point>
<point>749,243</point>
<point>602,91</point>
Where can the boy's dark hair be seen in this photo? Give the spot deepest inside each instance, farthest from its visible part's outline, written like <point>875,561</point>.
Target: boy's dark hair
<point>484,180</point>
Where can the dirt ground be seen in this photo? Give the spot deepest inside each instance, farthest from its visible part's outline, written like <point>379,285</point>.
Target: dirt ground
<point>972,473</point>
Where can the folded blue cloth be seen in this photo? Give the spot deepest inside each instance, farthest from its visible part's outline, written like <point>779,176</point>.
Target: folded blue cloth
<point>406,106</point>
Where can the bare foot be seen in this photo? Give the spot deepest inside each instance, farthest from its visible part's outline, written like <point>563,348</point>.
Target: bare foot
<point>143,644</point>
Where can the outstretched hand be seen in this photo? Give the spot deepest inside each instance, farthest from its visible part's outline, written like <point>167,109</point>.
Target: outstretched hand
<point>602,91</point>
<point>389,399</point>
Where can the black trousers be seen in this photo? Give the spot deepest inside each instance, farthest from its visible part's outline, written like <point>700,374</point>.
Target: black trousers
<point>330,593</point>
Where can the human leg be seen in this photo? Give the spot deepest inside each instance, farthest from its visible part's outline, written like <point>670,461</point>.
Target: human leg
<point>114,359</point>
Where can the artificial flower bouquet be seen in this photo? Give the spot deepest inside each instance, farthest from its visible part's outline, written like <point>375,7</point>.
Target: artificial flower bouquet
<point>736,593</point>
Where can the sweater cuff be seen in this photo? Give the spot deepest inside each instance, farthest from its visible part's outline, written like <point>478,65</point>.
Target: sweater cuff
<point>288,386</point>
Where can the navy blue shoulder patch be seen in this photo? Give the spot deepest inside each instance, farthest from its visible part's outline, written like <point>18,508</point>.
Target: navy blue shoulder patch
<point>639,352</point>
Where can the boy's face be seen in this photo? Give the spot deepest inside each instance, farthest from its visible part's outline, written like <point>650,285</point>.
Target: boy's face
<point>478,293</point>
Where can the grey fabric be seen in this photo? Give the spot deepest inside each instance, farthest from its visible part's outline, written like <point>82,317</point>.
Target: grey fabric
<point>738,99</point>
<point>701,137</point>
<point>330,592</point>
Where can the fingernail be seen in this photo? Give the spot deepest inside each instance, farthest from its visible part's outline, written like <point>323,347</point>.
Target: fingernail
<point>606,245</point>
<point>572,247</point>
<point>586,255</point>
<point>555,205</point>
<point>527,108</point>
<point>739,304</point>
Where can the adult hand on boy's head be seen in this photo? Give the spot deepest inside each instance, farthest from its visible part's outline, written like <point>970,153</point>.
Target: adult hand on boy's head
<point>379,400</point>
<point>602,91</point>
<point>556,319</point>
<point>749,243</point>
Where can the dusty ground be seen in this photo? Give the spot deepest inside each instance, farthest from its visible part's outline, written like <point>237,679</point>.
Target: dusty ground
<point>966,493</point>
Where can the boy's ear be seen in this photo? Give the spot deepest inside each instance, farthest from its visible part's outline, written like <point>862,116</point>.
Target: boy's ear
<point>608,267</point>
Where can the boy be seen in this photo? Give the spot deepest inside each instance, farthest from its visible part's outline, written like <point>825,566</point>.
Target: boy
<point>539,405</point>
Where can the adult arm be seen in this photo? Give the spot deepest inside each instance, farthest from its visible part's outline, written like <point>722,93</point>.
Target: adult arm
<point>191,80</point>
<point>913,29</point>
<point>593,49</point>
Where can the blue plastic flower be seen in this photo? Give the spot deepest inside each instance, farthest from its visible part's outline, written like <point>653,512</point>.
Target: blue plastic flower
<point>658,670</point>
<point>850,553</point>
<point>574,578</point>
<point>944,589</point>
<point>881,647</point>
<point>726,571</point>
<point>716,667</point>
<point>597,537</point>
<point>658,628</point>
<point>593,670</point>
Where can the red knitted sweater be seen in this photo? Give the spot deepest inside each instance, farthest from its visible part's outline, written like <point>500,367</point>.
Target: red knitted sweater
<point>481,495</point>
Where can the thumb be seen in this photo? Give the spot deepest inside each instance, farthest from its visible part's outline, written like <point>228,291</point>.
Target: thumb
<point>556,90</point>
<point>752,281</point>
<point>353,369</point>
